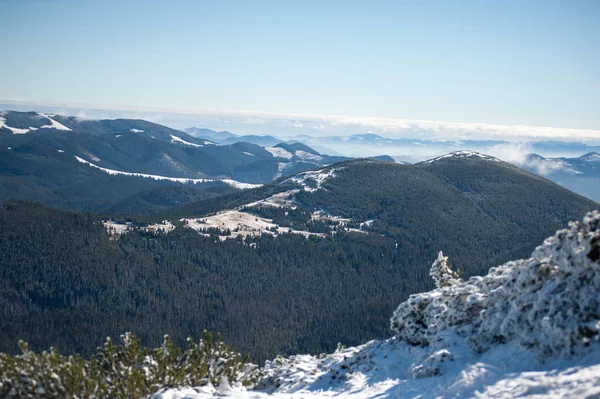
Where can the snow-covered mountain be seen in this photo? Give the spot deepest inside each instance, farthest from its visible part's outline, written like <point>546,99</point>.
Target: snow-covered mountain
<point>529,329</point>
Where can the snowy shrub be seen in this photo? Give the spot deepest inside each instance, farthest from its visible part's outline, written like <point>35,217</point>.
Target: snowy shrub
<point>127,370</point>
<point>549,303</point>
<point>431,366</point>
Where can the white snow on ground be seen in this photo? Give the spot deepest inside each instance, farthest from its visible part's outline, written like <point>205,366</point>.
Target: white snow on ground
<point>240,185</point>
<point>280,153</point>
<point>385,369</point>
<point>285,198</point>
<point>136,131</point>
<point>61,151</point>
<point>248,153</point>
<point>113,227</point>
<point>175,139</point>
<point>593,157</point>
<point>281,167</point>
<point>461,154</point>
<point>166,227</point>
<point>307,155</point>
<point>13,129</point>
<point>54,124</point>
<point>312,180</point>
<point>241,224</point>
<point>232,183</point>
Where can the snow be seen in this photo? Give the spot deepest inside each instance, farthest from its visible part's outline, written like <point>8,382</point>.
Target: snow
<point>284,198</point>
<point>53,125</point>
<point>592,157</point>
<point>308,180</point>
<point>307,155</point>
<point>13,129</point>
<point>241,224</point>
<point>248,153</point>
<point>61,151</point>
<point>461,154</point>
<point>136,131</point>
<point>184,180</point>
<point>280,153</point>
<point>240,185</point>
<point>384,369</point>
<point>528,329</point>
<point>114,228</point>
<point>175,139</point>
<point>166,226</point>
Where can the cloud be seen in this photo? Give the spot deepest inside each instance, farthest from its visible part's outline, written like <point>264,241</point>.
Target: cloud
<point>519,154</point>
<point>263,123</point>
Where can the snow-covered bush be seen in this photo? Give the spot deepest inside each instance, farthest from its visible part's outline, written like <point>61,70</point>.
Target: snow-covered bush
<point>549,303</point>
<point>127,370</point>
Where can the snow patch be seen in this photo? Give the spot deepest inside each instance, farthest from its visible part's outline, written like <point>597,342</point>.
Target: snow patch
<point>461,154</point>
<point>61,151</point>
<point>312,180</point>
<point>184,180</point>
<point>175,139</point>
<point>307,155</point>
<point>241,223</point>
<point>279,153</point>
<point>136,131</point>
<point>13,129</point>
<point>54,124</point>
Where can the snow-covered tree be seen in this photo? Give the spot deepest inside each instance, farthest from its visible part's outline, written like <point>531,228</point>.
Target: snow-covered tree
<point>547,303</point>
<point>442,273</point>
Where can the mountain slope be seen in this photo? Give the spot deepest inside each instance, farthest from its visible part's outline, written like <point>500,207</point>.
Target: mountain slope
<point>478,207</point>
<point>287,267</point>
<point>536,318</point>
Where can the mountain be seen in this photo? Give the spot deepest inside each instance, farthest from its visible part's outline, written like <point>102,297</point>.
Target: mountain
<point>265,141</point>
<point>581,174</point>
<point>294,266</point>
<point>47,158</point>
<point>528,329</point>
<point>215,136</point>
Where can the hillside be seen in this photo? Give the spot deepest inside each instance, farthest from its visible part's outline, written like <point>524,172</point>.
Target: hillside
<point>527,329</point>
<point>298,265</point>
<point>475,206</point>
<point>39,154</point>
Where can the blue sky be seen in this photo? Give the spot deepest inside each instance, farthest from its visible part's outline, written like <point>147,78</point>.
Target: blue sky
<point>496,62</point>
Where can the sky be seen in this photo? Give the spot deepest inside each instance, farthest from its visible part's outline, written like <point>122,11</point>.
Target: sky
<point>526,63</point>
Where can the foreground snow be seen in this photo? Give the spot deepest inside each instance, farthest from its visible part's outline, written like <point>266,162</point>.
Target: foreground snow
<point>382,369</point>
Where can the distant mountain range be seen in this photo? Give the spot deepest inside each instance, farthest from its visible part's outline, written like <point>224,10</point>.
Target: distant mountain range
<point>581,174</point>
<point>402,149</point>
<point>67,161</point>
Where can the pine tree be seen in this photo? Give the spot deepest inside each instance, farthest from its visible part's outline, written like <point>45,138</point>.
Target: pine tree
<point>442,273</point>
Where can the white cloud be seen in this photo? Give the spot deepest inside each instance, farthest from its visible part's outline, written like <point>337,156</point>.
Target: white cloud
<point>340,125</point>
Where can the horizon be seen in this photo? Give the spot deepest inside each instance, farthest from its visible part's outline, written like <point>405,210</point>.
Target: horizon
<point>518,64</point>
<point>288,125</point>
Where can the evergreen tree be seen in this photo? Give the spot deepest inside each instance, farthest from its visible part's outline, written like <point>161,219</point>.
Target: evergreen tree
<point>442,273</point>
